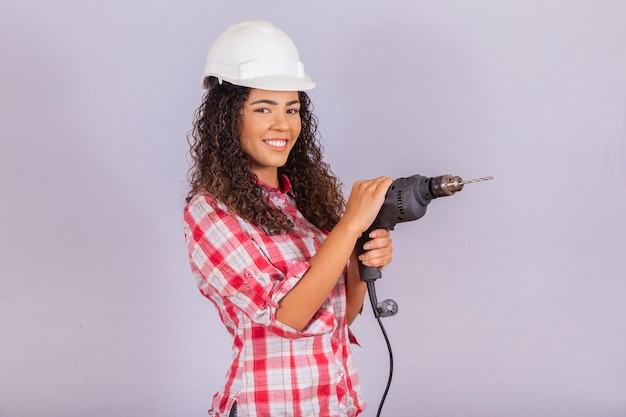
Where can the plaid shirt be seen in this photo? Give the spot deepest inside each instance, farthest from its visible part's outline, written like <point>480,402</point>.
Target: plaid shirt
<point>276,370</point>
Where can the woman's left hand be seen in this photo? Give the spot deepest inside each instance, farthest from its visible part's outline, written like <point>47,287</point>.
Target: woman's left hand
<point>378,249</point>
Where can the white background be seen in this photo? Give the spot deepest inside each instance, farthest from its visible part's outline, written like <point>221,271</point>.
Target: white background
<point>511,293</point>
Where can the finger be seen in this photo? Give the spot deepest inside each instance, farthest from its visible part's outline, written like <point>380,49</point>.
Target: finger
<point>378,243</point>
<point>379,233</point>
<point>377,186</point>
<point>376,261</point>
<point>382,184</point>
<point>376,256</point>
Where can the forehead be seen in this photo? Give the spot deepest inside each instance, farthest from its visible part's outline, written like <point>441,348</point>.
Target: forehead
<point>280,97</point>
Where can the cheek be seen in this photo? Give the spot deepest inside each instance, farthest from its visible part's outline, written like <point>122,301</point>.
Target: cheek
<point>297,128</point>
<point>247,133</point>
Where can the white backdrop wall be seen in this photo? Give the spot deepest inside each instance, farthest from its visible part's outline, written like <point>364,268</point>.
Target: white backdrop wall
<point>511,293</point>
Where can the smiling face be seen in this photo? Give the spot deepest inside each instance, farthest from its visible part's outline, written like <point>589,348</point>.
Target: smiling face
<point>270,125</point>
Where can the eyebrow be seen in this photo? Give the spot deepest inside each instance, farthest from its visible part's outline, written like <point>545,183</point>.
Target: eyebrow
<point>274,103</point>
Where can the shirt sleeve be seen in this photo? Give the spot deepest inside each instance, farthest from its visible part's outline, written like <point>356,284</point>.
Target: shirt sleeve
<point>228,263</point>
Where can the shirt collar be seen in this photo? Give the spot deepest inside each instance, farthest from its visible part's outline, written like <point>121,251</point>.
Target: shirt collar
<point>285,185</point>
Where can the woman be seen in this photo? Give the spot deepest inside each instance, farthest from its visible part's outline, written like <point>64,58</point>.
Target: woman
<point>271,239</point>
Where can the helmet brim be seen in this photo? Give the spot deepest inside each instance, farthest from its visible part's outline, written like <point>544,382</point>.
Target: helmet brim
<point>272,83</point>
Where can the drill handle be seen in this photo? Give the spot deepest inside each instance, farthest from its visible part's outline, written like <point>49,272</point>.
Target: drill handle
<point>367,273</point>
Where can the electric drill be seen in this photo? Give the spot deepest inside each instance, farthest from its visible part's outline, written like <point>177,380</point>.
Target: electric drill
<point>406,200</point>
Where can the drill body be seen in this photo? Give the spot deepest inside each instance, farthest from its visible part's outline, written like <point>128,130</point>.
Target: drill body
<point>406,200</point>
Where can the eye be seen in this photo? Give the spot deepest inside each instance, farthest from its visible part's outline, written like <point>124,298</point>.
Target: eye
<point>262,110</point>
<point>293,111</point>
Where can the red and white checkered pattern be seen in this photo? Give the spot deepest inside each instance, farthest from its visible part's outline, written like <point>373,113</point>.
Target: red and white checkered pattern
<point>276,370</point>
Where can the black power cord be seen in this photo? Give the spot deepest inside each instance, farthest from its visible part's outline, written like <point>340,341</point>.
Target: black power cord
<point>384,309</point>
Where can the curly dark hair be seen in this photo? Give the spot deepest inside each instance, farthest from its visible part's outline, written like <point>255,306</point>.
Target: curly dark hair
<point>220,168</point>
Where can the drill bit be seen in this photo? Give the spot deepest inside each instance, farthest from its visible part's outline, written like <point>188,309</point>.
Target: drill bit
<point>476,180</point>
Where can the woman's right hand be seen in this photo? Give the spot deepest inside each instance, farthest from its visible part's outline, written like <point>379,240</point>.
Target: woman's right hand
<point>364,203</point>
<point>299,306</point>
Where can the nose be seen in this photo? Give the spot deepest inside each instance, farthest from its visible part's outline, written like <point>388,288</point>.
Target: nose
<point>279,122</point>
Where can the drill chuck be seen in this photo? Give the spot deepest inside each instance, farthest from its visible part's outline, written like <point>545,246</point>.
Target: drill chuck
<point>444,185</point>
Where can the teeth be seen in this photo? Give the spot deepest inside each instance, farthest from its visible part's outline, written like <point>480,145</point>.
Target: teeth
<point>276,143</point>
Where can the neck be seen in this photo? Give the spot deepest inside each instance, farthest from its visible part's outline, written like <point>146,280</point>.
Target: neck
<point>269,177</point>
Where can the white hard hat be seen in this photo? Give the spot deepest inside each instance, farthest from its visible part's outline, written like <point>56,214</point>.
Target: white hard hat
<point>256,54</point>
